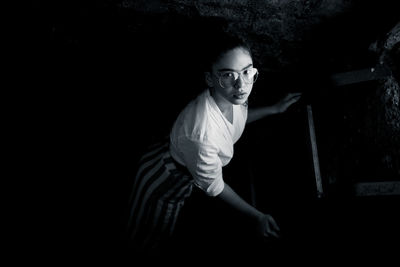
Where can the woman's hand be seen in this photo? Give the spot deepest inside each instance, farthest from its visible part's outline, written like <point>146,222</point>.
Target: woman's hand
<point>267,227</point>
<point>287,101</point>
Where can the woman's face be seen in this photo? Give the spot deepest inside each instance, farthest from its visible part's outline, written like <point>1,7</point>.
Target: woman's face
<point>236,91</point>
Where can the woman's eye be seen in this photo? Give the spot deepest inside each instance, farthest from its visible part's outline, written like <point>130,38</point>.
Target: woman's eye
<point>248,72</point>
<point>227,75</point>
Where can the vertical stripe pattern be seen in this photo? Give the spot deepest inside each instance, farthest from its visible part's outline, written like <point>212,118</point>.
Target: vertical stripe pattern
<point>158,194</point>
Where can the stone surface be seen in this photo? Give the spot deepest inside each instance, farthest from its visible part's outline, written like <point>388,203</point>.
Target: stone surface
<point>274,28</point>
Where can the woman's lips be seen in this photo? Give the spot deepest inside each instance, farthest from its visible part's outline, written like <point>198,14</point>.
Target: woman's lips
<point>240,96</point>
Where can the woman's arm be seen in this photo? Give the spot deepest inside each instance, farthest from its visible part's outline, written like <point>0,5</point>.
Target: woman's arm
<point>266,224</point>
<point>280,107</point>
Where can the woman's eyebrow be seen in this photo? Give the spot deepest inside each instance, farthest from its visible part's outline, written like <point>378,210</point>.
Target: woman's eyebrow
<point>248,66</point>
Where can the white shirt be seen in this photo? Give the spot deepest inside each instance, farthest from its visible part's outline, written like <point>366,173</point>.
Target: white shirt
<point>202,139</point>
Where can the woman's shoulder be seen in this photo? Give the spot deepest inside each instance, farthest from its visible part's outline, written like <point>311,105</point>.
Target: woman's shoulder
<point>193,120</point>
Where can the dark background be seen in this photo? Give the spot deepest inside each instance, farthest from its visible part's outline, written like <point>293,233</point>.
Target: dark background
<point>111,76</point>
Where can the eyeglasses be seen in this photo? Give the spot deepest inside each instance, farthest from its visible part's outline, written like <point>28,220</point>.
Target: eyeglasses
<point>228,79</point>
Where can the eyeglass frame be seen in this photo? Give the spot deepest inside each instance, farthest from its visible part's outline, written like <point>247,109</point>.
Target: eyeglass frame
<point>239,74</point>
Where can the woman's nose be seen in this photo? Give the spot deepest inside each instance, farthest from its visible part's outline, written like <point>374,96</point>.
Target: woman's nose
<point>239,82</point>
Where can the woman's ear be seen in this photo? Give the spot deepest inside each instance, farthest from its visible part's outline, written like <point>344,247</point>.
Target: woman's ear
<point>208,78</point>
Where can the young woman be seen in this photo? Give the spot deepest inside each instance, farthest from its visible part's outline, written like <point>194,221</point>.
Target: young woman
<point>199,146</point>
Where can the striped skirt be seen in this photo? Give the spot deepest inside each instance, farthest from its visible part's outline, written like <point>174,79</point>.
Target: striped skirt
<point>159,192</point>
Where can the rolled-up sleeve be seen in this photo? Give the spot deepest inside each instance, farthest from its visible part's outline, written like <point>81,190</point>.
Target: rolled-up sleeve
<point>203,162</point>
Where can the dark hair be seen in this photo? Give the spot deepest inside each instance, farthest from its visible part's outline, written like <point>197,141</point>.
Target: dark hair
<point>218,43</point>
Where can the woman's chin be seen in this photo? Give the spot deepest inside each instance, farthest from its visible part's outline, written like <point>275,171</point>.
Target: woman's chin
<point>239,100</point>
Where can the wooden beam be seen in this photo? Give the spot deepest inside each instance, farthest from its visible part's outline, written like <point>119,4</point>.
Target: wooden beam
<point>387,188</point>
<point>314,150</point>
<point>380,71</point>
